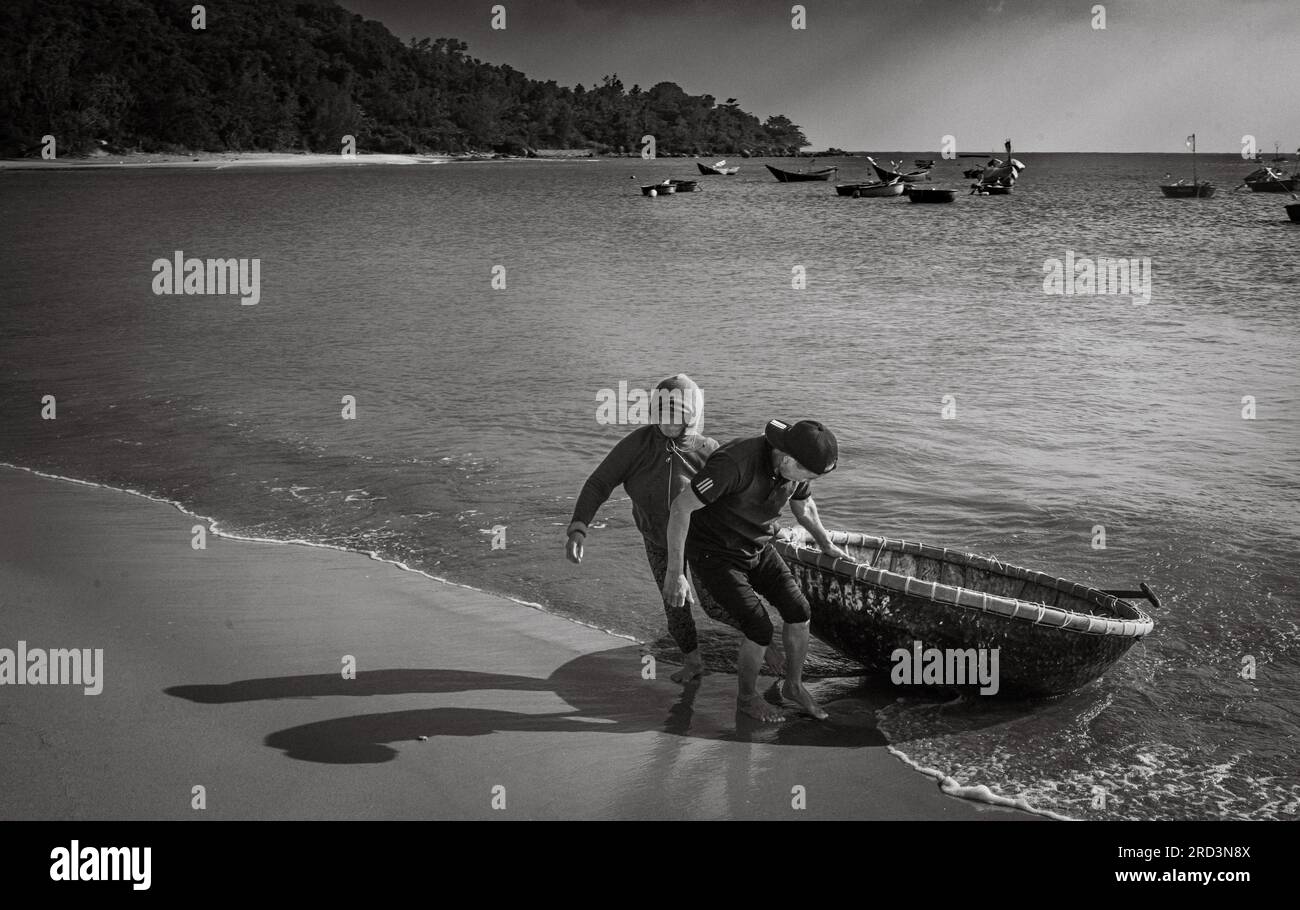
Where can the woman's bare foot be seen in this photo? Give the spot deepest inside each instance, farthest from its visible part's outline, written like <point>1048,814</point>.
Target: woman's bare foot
<point>801,697</point>
<point>758,708</point>
<point>774,661</point>
<point>692,668</point>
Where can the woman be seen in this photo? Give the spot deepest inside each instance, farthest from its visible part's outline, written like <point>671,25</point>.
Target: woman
<point>653,464</point>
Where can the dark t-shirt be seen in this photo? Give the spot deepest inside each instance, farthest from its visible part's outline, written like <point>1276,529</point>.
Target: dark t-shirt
<point>743,497</point>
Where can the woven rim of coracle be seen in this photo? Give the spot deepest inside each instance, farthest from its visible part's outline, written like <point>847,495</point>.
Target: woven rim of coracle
<point>1131,626</point>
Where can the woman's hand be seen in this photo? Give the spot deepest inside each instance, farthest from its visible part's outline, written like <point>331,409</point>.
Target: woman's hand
<point>573,549</point>
<point>676,589</point>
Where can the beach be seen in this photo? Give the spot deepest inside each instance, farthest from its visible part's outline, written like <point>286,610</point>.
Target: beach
<point>222,669</point>
<point>214,160</point>
<point>220,160</point>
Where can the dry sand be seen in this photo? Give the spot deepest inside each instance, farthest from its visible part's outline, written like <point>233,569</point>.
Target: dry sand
<point>222,670</point>
<point>217,160</point>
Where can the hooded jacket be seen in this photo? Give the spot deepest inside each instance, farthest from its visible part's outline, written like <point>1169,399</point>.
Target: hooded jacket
<point>652,468</point>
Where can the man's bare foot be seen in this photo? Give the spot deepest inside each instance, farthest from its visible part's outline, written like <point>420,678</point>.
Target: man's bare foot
<point>801,697</point>
<point>774,660</point>
<point>692,669</point>
<point>756,707</point>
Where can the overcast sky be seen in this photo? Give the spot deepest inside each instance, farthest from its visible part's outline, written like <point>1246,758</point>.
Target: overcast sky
<point>901,74</point>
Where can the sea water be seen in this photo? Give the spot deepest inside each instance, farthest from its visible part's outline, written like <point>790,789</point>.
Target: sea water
<point>469,316</point>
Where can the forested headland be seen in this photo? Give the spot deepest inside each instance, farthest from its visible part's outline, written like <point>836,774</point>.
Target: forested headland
<point>285,75</point>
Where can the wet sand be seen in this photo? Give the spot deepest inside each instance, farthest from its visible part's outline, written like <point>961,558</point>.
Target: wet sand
<point>222,670</point>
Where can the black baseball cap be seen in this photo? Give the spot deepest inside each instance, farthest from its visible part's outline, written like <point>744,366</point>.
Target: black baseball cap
<point>811,444</point>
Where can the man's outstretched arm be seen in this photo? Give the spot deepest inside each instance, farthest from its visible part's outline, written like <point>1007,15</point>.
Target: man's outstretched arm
<point>679,524</point>
<point>805,511</point>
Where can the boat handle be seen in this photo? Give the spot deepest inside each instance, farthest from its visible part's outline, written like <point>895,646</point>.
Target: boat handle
<point>1145,592</point>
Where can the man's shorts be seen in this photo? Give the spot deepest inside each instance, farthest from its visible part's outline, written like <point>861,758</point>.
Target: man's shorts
<point>737,585</point>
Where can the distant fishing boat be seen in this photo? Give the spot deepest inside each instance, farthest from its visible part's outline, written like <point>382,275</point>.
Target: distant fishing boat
<point>1182,190</point>
<point>887,175</point>
<point>1270,180</point>
<point>1202,189</point>
<point>871,190</point>
<point>999,175</point>
<point>930,194</point>
<point>686,186</point>
<point>658,189</point>
<point>717,169</point>
<point>1053,635</point>
<point>801,176</point>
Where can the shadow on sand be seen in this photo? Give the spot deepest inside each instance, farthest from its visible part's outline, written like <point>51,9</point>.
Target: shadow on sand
<point>604,690</point>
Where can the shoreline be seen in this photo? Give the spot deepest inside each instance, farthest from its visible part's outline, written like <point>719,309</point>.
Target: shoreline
<point>214,161</point>
<point>279,160</point>
<point>221,160</point>
<point>524,696</point>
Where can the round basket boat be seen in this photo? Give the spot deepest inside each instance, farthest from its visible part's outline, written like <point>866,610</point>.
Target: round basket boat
<point>1052,635</point>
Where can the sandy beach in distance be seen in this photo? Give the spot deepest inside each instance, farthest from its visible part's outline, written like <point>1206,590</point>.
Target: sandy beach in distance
<point>217,160</point>
<point>222,670</point>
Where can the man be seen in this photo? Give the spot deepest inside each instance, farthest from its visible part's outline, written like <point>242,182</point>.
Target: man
<point>724,523</point>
